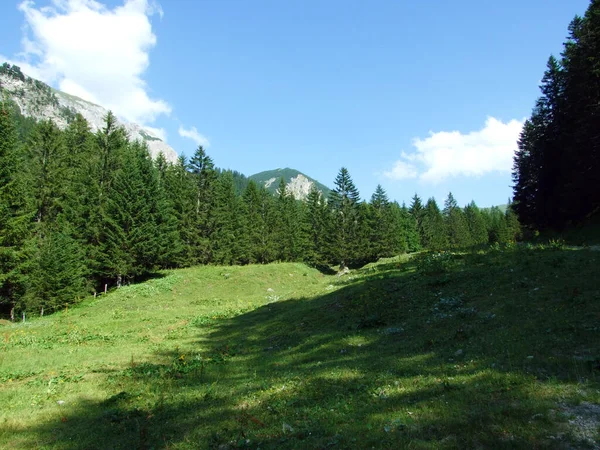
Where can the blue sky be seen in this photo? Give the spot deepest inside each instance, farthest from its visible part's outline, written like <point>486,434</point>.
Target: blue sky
<point>423,97</point>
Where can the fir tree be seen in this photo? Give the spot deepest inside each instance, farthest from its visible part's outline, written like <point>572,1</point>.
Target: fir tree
<point>434,229</point>
<point>343,203</point>
<point>456,225</point>
<point>476,224</point>
<point>15,216</point>
<point>315,226</point>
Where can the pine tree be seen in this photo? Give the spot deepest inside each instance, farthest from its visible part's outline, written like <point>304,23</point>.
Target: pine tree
<point>15,215</point>
<point>47,167</point>
<point>260,223</point>
<point>456,225</point>
<point>315,226</point>
<point>181,193</point>
<point>434,229</point>
<point>383,224</point>
<point>56,270</point>
<point>409,230</point>
<point>204,175</point>
<point>140,235</point>
<point>476,224</point>
<point>343,203</point>
<point>417,211</point>
<point>230,242</point>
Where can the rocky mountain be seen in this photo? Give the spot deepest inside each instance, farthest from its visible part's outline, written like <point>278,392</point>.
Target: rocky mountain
<point>38,100</point>
<point>298,183</point>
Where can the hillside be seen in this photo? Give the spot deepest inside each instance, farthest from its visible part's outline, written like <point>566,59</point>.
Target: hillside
<point>496,349</point>
<point>298,183</point>
<point>37,100</point>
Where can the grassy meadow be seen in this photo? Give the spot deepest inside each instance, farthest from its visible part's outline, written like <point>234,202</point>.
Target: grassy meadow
<point>489,349</point>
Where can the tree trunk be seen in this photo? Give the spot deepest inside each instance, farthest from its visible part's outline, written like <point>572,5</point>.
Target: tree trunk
<point>119,280</point>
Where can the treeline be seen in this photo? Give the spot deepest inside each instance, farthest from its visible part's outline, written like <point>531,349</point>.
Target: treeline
<point>557,165</point>
<point>81,210</point>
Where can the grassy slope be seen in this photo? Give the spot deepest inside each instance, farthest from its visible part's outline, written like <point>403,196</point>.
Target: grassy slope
<point>462,351</point>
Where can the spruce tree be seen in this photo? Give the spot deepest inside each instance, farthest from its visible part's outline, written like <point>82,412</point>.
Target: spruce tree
<point>56,272</point>
<point>456,225</point>
<point>260,223</point>
<point>15,215</point>
<point>434,229</point>
<point>383,225</point>
<point>229,239</point>
<point>315,226</point>
<point>204,175</point>
<point>476,224</point>
<point>181,193</point>
<point>417,211</point>
<point>343,204</point>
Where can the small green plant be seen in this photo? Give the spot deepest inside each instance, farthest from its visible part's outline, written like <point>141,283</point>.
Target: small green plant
<point>435,263</point>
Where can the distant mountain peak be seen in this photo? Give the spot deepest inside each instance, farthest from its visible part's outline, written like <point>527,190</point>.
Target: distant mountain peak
<point>297,183</point>
<point>39,101</point>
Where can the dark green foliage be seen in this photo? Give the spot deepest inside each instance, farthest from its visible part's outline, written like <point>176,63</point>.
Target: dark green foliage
<point>456,224</point>
<point>476,224</point>
<point>434,228</point>
<point>47,168</point>
<point>260,224</point>
<point>139,233</point>
<point>316,219</point>
<point>55,272</point>
<point>80,211</point>
<point>229,240</point>
<point>558,158</point>
<point>182,196</point>
<point>15,216</point>
<point>204,176</point>
<point>343,232</point>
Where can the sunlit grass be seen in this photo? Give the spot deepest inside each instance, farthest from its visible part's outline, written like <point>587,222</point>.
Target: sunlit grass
<point>458,351</point>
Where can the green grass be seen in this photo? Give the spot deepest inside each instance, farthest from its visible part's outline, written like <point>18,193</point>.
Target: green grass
<point>492,349</point>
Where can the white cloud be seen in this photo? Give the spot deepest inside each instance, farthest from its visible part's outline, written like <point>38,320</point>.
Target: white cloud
<point>193,134</point>
<point>401,171</point>
<point>94,52</point>
<point>445,154</point>
<point>160,133</point>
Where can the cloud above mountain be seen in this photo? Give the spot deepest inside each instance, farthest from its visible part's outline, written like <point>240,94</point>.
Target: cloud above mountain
<point>448,154</point>
<point>94,52</point>
<point>193,134</point>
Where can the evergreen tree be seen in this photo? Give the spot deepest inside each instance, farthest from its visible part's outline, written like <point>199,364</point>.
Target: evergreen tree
<point>343,203</point>
<point>47,167</point>
<point>140,235</point>
<point>260,223</point>
<point>230,242</point>
<point>181,193</point>
<point>408,229</point>
<point>55,272</point>
<point>315,226</point>
<point>434,229</point>
<point>15,216</point>
<point>476,224</point>
<point>383,224</point>
<point>456,225</point>
<point>417,211</point>
<point>204,175</point>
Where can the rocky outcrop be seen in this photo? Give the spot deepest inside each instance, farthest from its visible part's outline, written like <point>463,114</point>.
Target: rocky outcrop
<point>38,100</point>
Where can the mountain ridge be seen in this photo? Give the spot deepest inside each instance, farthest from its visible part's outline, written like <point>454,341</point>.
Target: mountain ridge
<point>297,183</point>
<point>40,101</point>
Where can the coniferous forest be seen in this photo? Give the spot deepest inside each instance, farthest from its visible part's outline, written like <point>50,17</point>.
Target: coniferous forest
<point>557,164</point>
<point>82,210</point>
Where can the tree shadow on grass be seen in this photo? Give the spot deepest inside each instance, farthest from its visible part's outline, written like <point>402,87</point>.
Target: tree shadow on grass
<point>391,359</point>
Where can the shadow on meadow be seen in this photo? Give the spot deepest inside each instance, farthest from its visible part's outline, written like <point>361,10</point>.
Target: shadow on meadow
<point>455,351</point>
